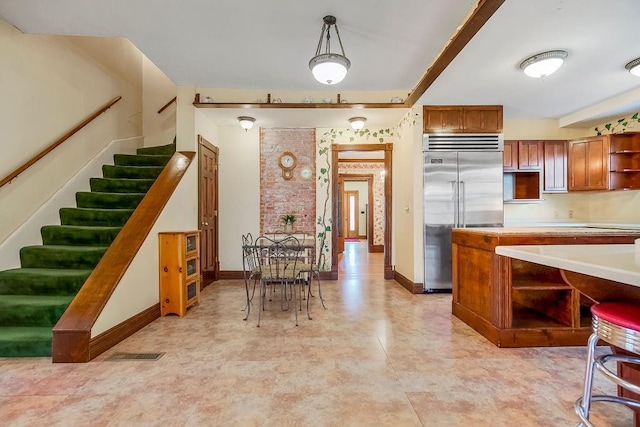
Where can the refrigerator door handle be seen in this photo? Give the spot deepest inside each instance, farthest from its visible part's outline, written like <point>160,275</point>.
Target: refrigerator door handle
<point>464,207</point>
<point>454,196</point>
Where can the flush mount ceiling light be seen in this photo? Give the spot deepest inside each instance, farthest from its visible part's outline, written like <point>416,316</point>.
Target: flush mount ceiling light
<point>634,67</point>
<point>329,68</point>
<point>357,122</point>
<point>543,64</point>
<point>246,122</point>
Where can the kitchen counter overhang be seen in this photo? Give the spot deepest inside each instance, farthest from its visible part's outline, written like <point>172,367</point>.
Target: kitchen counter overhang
<point>618,263</point>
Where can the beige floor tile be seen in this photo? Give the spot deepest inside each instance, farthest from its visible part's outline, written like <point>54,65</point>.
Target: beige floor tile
<point>378,356</point>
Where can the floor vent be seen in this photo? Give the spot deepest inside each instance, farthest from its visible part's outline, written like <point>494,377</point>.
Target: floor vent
<point>134,356</point>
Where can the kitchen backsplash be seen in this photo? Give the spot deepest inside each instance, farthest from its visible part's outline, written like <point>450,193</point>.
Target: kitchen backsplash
<point>606,206</point>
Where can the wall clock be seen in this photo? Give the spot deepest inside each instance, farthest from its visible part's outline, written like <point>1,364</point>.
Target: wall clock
<point>305,172</point>
<point>287,162</point>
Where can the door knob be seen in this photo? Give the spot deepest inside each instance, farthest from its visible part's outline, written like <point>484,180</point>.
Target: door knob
<point>205,223</point>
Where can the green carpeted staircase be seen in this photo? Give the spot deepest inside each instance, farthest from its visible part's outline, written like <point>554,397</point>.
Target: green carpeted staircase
<point>34,296</point>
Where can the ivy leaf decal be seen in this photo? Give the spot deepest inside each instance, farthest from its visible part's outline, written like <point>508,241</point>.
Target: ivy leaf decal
<point>635,116</point>
<point>375,134</point>
<point>608,126</point>
<point>323,170</point>
<point>351,139</point>
<point>381,139</point>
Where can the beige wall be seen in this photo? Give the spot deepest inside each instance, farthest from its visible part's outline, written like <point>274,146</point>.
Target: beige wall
<point>49,84</point>
<point>404,234</point>
<point>239,176</point>
<point>157,90</point>
<point>541,129</point>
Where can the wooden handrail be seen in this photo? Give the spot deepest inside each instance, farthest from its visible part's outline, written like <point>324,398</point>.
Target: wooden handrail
<point>72,333</point>
<point>60,140</point>
<point>165,106</point>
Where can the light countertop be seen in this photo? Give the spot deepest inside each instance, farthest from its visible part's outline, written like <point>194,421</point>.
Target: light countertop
<point>620,263</point>
<point>578,230</point>
<point>520,224</point>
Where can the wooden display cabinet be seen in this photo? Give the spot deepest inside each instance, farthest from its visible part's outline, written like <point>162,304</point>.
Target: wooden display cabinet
<point>179,271</point>
<point>624,161</point>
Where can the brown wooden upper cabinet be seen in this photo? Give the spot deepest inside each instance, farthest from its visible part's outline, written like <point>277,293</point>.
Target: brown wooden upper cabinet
<point>522,164</point>
<point>462,118</point>
<point>624,161</point>
<point>589,164</point>
<point>555,166</point>
<point>522,156</point>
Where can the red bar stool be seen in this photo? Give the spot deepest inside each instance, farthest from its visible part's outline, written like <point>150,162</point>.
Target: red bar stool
<point>618,324</point>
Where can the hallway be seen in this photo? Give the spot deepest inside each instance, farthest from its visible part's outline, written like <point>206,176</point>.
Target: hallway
<point>355,262</point>
<point>378,356</point>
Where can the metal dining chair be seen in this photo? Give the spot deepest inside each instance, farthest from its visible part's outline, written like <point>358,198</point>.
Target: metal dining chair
<point>250,269</point>
<point>277,261</point>
<point>310,269</point>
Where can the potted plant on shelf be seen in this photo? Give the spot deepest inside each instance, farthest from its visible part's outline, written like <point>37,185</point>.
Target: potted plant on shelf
<point>288,220</point>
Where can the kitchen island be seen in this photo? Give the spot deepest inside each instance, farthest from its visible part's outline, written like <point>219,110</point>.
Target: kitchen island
<point>518,303</point>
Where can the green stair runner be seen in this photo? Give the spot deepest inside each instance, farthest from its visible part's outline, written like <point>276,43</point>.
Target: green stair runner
<point>34,296</point>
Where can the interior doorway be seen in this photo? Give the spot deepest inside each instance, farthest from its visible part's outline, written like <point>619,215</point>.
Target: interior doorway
<point>365,214</point>
<point>337,237</point>
<point>208,210</point>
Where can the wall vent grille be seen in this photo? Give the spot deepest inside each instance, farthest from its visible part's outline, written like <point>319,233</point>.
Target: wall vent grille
<point>134,356</point>
<point>463,142</point>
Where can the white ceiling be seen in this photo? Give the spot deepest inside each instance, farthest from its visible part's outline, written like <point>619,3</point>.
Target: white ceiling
<point>257,44</point>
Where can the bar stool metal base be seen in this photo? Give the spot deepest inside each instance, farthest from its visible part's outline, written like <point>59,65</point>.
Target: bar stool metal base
<point>621,337</point>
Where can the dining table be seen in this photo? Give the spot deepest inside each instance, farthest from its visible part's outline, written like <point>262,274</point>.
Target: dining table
<point>273,256</point>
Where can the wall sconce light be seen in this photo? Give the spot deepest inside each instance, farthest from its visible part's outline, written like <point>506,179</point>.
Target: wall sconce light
<point>246,122</point>
<point>329,68</point>
<point>357,122</point>
<point>634,67</point>
<point>543,64</point>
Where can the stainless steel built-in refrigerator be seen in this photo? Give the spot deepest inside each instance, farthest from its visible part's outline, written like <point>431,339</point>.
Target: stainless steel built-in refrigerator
<point>462,188</point>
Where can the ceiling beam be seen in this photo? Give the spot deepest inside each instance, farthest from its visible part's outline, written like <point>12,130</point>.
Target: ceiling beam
<point>475,21</point>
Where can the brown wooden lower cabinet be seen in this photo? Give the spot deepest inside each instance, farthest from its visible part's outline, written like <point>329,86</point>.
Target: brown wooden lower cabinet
<point>516,303</point>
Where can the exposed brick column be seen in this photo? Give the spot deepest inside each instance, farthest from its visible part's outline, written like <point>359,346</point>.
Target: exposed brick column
<point>279,196</point>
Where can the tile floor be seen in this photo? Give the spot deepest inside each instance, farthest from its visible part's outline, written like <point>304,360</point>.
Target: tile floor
<point>378,356</point>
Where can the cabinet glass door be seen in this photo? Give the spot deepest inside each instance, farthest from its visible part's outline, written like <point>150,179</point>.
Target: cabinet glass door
<point>191,243</point>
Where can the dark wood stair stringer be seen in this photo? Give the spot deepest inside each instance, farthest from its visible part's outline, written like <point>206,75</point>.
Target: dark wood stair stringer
<point>72,342</point>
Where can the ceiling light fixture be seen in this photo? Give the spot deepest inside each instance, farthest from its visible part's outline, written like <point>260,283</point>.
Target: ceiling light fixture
<point>634,67</point>
<point>329,68</point>
<point>246,122</point>
<point>357,122</point>
<point>543,64</point>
